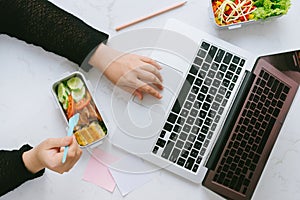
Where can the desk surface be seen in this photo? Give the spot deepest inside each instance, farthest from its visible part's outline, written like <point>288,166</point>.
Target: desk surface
<point>28,112</point>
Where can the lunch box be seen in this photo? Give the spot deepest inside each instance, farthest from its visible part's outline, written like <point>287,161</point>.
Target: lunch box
<point>72,95</point>
<point>232,14</point>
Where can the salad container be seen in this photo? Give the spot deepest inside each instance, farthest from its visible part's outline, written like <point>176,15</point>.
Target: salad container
<point>73,96</point>
<point>233,14</point>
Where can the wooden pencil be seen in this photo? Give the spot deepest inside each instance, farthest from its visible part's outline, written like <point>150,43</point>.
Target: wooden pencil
<point>151,15</point>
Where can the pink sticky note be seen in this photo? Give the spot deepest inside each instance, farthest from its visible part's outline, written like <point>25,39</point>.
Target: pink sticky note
<point>97,171</point>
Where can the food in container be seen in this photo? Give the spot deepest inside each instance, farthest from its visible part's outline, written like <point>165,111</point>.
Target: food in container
<point>73,96</point>
<point>236,12</point>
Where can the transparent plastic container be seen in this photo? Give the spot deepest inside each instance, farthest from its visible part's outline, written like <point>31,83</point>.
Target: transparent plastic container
<point>73,95</point>
<point>237,23</point>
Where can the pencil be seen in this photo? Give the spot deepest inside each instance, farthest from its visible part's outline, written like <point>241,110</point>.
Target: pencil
<point>151,15</point>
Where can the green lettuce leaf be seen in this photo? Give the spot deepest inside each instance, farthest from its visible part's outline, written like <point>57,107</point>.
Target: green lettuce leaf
<point>269,8</point>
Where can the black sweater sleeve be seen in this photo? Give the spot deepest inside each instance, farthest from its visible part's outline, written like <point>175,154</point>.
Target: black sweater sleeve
<point>13,171</point>
<point>42,23</point>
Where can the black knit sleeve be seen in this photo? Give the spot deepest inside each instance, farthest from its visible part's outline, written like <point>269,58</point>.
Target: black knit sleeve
<point>13,171</point>
<point>42,23</point>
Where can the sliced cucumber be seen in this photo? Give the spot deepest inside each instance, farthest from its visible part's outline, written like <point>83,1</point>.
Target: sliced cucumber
<point>62,93</point>
<point>75,83</point>
<point>78,94</point>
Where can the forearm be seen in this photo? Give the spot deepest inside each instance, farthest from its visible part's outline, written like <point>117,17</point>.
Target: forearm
<point>13,172</point>
<point>31,162</point>
<point>41,23</point>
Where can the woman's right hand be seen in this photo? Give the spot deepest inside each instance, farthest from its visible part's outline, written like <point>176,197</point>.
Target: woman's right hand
<point>49,154</point>
<point>134,73</point>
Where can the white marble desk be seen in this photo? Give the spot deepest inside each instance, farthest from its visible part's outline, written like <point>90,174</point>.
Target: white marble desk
<point>28,112</point>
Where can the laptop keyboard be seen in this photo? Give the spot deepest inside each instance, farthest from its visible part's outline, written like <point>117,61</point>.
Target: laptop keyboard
<point>258,116</point>
<point>199,106</point>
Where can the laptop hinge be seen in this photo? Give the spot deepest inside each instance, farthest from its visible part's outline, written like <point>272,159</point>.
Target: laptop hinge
<point>230,120</point>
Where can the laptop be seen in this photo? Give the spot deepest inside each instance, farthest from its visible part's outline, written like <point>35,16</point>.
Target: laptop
<point>220,116</point>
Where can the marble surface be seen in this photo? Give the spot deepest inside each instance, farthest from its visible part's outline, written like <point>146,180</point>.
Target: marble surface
<point>29,114</point>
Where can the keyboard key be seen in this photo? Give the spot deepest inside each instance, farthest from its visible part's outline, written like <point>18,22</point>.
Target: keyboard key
<point>160,142</point>
<point>189,163</point>
<point>187,105</point>
<point>185,153</point>
<point>190,120</point>
<point>223,68</point>
<point>216,83</point>
<point>181,162</point>
<point>195,89</point>
<point>211,54</point>
<point>205,45</point>
<point>172,118</point>
<point>174,155</point>
<point>184,113</point>
<point>176,107</point>
<point>191,97</point>
<point>205,106</point>
<point>198,82</point>
<point>183,136</point>
<point>177,128</point>
<point>197,145</point>
<point>205,67</point>
<point>184,90</point>
<point>214,66</point>
<point>227,58</point>
<point>167,150</point>
<point>194,153</point>
<point>194,113</point>
<point>242,62</point>
<point>192,137</point>
<point>202,114</point>
<point>208,81</point>
<point>187,128</point>
<point>190,79</point>
<point>168,127</point>
<point>219,55</point>
<point>236,60</point>
<point>173,136</point>
<point>195,168</point>
<point>155,150</point>
<point>162,134</point>
<point>201,137</point>
<point>194,70</point>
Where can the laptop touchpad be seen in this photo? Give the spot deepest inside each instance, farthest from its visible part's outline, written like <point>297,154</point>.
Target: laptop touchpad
<point>171,82</point>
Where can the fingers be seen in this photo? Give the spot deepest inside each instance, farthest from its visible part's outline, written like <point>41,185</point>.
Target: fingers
<point>51,153</point>
<point>58,142</point>
<point>73,155</point>
<point>154,71</point>
<point>150,61</point>
<point>143,87</point>
<point>149,77</point>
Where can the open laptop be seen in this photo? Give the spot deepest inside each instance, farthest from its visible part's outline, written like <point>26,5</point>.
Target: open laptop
<point>221,113</point>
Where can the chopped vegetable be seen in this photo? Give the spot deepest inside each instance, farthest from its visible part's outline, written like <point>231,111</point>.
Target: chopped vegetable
<point>78,94</point>
<point>75,83</point>
<point>269,8</point>
<point>62,93</point>
<point>70,109</point>
<point>83,102</point>
<point>229,11</point>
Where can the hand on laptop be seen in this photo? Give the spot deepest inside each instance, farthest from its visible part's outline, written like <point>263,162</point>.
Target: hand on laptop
<point>133,73</point>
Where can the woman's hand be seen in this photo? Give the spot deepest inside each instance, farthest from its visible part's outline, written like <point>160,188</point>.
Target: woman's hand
<point>133,73</point>
<point>49,154</point>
